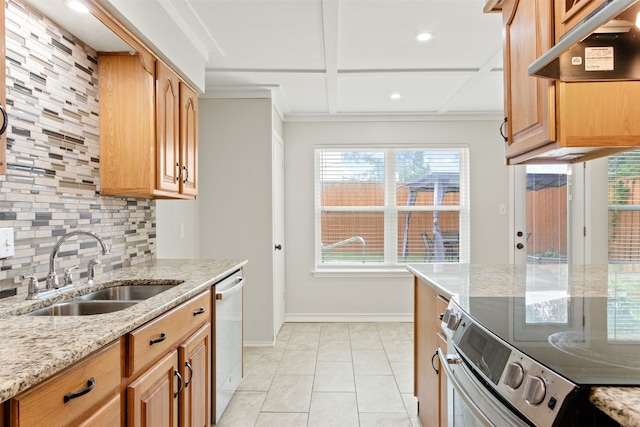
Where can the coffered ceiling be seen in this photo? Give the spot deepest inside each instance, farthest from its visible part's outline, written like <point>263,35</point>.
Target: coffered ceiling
<point>345,58</point>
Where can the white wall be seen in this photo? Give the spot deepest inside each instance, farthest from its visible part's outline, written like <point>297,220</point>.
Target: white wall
<point>177,229</point>
<point>382,298</point>
<point>234,194</point>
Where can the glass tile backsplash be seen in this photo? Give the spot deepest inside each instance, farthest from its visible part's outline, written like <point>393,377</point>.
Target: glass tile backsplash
<point>52,183</point>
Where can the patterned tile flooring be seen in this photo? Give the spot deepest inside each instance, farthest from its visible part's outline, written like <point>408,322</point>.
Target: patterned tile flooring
<point>328,374</point>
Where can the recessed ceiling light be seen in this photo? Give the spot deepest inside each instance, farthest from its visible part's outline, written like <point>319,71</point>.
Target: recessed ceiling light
<point>396,95</point>
<point>423,37</point>
<point>78,6</point>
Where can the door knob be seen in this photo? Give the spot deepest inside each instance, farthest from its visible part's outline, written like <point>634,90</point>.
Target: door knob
<point>278,247</point>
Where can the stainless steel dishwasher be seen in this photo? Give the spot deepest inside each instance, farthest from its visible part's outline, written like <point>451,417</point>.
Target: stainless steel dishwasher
<point>228,340</point>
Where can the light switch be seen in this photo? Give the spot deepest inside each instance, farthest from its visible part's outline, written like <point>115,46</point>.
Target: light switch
<point>6,243</point>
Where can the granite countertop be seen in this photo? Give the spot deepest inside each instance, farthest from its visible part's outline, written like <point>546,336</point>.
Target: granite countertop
<point>459,281</point>
<point>36,347</point>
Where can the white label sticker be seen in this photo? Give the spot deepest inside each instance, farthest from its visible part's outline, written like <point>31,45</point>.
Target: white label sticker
<point>576,60</point>
<point>598,58</point>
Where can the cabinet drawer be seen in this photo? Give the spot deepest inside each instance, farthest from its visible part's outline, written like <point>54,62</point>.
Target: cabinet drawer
<point>150,341</point>
<point>60,400</point>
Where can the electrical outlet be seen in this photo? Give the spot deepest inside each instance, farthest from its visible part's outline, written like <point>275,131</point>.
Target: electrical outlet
<point>6,243</point>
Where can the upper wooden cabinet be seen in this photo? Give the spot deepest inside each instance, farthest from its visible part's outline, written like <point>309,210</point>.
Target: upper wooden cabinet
<point>569,13</point>
<point>549,121</point>
<point>148,129</point>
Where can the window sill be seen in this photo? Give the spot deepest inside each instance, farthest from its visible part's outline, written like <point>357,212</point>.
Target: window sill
<point>398,272</point>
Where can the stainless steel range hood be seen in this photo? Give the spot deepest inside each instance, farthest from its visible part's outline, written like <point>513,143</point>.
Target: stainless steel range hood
<point>604,46</point>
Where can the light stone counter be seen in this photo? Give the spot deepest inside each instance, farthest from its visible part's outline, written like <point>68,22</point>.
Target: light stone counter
<point>459,281</point>
<point>34,348</point>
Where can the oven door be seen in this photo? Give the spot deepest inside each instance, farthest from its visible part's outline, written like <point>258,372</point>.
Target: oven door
<point>470,402</point>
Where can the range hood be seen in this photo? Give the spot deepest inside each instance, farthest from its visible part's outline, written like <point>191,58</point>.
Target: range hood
<point>604,46</point>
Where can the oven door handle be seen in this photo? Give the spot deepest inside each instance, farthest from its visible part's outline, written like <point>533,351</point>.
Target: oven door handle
<point>507,417</point>
<point>445,361</point>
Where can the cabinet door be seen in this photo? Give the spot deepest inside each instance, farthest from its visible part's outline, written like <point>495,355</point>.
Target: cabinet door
<point>188,140</point>
<point>108,415</point>
<point>572,12</point>
<point>195,362</point>
<point>425,377</point>
<point>167,128</point>
<point>529,101</point>
<point>152,400</point>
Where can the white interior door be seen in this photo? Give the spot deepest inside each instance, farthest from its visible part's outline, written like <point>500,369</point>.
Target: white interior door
<point>278,232</point>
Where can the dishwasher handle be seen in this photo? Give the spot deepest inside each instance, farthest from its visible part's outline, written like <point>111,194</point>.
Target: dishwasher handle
<point>226,293</point>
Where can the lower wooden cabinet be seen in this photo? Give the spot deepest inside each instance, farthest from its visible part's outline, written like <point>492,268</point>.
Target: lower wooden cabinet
<point>157,375</point>
<point>430,384</point>
<point>176,390</point>
<point>73,395</point>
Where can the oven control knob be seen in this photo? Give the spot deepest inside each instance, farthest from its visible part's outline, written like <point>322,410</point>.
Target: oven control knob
<point>453,322</point>
<point>535,390</point>
<point>514,376</point>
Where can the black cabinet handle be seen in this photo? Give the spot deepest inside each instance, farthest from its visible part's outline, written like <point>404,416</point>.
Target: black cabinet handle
<point>190,368</point>
<point>201,311</point>
<point>186,174</point>
<point>5,120</point>
<point>177,374</point>
<point>432,358</point>
<point>502,126</point>
<point>163,337</point>
<point>179,172</point>
<point>519,246</point>
<point>90,384</point>
<point>278,247</point>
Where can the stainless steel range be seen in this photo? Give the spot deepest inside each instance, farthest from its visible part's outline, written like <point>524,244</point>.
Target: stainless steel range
<point>531,360</point>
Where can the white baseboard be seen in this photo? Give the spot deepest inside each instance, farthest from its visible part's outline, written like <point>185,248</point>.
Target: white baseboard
<point>268,344</point>
<point>348,317</point>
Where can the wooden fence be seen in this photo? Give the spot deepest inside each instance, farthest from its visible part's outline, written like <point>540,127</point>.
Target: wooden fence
<point>545,232</point>
<point>339,226</point>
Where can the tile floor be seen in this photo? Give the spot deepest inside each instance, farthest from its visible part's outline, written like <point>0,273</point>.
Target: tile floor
<point>328,374</point>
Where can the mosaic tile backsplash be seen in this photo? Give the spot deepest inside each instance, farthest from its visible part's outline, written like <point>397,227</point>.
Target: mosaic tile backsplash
<point>52,184</point>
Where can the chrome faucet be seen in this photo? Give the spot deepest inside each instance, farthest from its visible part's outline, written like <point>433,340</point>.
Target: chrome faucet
<point>52,277</point>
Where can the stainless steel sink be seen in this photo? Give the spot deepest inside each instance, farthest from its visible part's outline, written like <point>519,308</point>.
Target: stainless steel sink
<point>126,293</point>
<point>123,295</point>
<point>82,308</point>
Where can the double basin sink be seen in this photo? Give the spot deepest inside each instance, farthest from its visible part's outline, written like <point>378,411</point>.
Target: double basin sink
<point>106,300</point>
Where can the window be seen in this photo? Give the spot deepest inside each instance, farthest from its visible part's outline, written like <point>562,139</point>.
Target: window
<point>388,207</point>
<point>624,208</point>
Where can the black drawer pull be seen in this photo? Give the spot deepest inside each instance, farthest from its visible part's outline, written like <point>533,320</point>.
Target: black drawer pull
<point>201,311</point>
<point>163,337</point>
<point>90,384</point>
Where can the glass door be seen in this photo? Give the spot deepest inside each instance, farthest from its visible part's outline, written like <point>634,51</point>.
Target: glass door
<point>541,211</point>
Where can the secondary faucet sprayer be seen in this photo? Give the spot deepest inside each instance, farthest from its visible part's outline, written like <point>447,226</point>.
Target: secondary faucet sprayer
<point>52,277</point>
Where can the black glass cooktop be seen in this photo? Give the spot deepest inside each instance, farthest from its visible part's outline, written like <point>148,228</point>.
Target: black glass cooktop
<point>588,340</point>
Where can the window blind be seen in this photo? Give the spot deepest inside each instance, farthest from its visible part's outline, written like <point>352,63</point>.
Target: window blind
<point>624,207</point>
<point>391,206</point>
